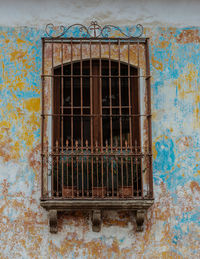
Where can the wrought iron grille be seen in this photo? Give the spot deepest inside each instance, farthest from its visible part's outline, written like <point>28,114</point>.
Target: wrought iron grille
<point>96,114</point>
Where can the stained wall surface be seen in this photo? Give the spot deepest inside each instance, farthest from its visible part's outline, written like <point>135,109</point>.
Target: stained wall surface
<point>172,225</point>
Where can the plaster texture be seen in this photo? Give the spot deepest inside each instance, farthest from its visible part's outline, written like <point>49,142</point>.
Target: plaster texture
<point>172,225</point>
<point>127,12</point>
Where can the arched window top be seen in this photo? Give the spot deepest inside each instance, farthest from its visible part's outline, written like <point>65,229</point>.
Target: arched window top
<point>105,63</point>
<point>101,96</point>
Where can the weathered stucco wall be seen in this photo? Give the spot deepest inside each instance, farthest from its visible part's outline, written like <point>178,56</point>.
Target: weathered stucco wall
<point>127,12</point>
<point>172,226</point>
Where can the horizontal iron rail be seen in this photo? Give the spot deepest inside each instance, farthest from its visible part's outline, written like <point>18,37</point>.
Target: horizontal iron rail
<point>97,115</point>
<point>98,76</point>
<point>104,40</point>
<point>98,155</point>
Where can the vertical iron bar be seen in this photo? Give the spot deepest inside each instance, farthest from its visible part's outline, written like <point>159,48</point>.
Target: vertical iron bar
<point>62,103</point>
<point>140,135</point>
<point>96,153</point>
<point>52,84</point>
<point>72,119</point>
<point>81,81</point>
<point>52,174</point>
<point>82,174</point>
<point>57,165</point>
<point>107,168</point>
<point>122,175</point>
<point>120,99</point>
<point>81,84</point>
<point>136,161</point>
<point>77,182</point>
<point>47,163</point>
<point>91,114</point>
<point>112,177</point>
<point>110,97</point>
<point>100,102</point>
<point>42,130</point>
<point>117,170</point>
<point>87,167</point>
<point>120,113</point>
<point>126,149</point>
<point>67,148</point>
<point>130,117</point>
<point>110,106</point>
<point>100,95</point>
<point>149,117</point>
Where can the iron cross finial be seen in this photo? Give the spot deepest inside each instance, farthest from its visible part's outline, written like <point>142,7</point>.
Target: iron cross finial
<point>94,26</point>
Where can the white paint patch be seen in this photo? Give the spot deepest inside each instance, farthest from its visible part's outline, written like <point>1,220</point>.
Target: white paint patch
<point>126,12</point>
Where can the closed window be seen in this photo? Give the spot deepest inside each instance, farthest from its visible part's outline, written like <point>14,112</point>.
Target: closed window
<point>99,114</point>
<point>96,119</point>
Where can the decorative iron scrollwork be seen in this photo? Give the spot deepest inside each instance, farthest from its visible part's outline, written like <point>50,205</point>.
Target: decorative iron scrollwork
<point>94,30</point>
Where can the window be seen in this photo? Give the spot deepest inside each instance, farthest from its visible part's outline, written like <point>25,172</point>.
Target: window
<point>96,121</point>
<point>96,117</point>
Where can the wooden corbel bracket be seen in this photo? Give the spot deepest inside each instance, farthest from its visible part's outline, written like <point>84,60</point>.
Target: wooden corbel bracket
<point>137,207</point>
<point>140,216</point>
<point>96,220</point>
<point>53,221</point>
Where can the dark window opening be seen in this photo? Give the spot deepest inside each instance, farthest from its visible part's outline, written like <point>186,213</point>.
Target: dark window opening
<point>113,107</point>
<point>97,111</point>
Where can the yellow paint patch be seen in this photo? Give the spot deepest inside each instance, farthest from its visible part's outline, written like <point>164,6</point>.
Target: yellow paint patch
<point>197,173</point>
<point>157,64</point>
<point>187,80</point>
<point>5,124</point>
<point>20,41</point>
<point>17,54</point>
<point>9,107</point>
<point>20,85</point>
<point>23,243</point>
<point>164,44</point>
<point>192,74</point>
<point>16,149</point>
<point>7,40</point>
<point>154,151</point>
<point>188,88</point>
<point>34,121</point>
<point>32,104</point>
<point>197,98</point>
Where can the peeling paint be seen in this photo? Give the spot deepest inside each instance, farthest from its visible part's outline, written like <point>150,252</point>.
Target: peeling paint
<point>172,225</point>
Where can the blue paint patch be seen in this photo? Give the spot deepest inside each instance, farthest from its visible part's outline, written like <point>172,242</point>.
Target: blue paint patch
<point>165,159</point>
<point>37,134</point>
<point>26,95</point>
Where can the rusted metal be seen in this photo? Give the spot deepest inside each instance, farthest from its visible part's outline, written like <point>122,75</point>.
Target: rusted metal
<point>140,191</point>
<point>72,120</point>
<point>149,119</point>
<point>99,155</point>
<point>42,125</point>
<point>62,111</point>
<point>91,114</point>
<point>94,30</point>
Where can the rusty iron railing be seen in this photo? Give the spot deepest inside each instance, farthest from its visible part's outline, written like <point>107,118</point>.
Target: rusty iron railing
<point>80,172</point>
